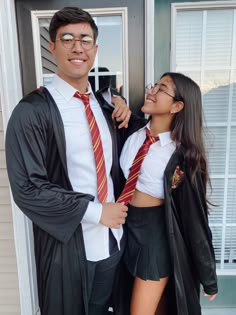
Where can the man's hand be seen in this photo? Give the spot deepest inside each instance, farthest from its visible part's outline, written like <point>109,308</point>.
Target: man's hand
<point>113,214</point>
<point>121,111</point>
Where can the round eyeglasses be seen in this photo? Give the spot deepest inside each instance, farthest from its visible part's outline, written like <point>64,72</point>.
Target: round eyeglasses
<point>154,89</point>
<point>68,41</point>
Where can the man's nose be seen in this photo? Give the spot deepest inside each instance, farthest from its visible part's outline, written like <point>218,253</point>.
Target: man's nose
<point>78,46</point>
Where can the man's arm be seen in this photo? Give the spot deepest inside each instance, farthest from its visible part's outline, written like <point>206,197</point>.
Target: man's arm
<point>53,208</point>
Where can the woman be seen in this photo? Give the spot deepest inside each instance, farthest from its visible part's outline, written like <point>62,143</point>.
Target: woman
<point>169,240</point>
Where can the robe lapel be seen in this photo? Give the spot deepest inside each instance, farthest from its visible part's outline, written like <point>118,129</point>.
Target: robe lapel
<point>58,130</point>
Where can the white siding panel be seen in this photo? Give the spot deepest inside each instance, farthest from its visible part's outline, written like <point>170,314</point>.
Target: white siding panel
<point>6,231</point>
<point>4,196</point>
<point>5,213</point>
<point>3,178</point>
<point>8,280</point>
<point>9,297</point>
<point>2,159</point>
<point>1,124</point>
<point>1,141</point>
<point>9,310</point>
<point>7,249</point>
<point>8,264</point>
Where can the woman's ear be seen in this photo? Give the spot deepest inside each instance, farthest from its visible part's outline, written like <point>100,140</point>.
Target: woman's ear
<point>177,107</point>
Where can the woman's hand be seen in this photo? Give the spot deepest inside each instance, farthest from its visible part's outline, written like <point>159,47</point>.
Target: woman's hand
<point>210,297</point>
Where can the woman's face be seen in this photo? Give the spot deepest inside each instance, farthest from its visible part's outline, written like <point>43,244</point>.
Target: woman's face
<point>160,99</point>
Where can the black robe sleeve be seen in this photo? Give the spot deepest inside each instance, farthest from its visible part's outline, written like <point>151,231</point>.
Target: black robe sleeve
<point>51,206</point>
<point>196,230</point>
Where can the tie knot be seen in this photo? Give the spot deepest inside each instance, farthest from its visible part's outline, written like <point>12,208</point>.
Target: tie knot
<point>149,138</point>
<point>83,97</point>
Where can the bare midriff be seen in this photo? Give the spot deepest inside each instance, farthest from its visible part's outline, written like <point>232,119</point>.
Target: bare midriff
<point>141,199</point>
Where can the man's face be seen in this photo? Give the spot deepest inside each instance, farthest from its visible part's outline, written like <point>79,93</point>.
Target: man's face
<point>75,62</point>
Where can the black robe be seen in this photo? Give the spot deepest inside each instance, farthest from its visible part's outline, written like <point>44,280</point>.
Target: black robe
<point>190,238</point>
<point>36,164</point>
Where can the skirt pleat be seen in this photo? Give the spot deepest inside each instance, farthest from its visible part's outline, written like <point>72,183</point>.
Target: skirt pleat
<point>147,252</point>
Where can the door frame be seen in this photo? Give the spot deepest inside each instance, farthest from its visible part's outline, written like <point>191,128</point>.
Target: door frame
<point>11,93</point>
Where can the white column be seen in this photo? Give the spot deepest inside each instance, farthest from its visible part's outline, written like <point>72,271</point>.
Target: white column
<point>11,93</point>
<point>149,41</point>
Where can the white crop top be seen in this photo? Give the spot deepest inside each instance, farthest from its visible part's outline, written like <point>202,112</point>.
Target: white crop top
<point>150,179</point>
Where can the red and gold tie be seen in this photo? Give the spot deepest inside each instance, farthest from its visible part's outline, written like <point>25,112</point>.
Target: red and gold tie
<point>97,148</point>
<point>131,181</point>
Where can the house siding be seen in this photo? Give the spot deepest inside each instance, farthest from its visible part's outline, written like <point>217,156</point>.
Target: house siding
<point>9,288</point>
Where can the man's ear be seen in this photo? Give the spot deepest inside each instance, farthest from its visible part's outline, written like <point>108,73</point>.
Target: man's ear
<point>177,107</point>
<point>51,47</point>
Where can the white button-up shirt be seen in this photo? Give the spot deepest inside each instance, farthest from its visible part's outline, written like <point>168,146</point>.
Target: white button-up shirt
<point>150,180</point>
<point>81,163</point>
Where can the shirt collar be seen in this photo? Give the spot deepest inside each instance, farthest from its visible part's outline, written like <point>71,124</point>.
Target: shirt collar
<point>164,137</point>
<point>67,90</point>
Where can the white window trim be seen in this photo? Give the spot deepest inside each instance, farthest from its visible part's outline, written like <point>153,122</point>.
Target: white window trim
<point>11,93</point>
<point>175,7</point>
<point>192,6</point>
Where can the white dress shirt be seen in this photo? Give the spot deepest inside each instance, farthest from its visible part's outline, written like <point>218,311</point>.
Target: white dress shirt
<point>150,180</point>
<point>81,163</point>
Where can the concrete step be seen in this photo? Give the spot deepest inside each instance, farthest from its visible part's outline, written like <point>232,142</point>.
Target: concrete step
<point>219,311</point>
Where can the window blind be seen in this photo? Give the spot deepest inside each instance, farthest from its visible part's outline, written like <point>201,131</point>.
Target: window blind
<point>205,50</point>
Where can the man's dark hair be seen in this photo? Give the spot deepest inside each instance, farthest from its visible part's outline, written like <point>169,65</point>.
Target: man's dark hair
<point>71,15</point>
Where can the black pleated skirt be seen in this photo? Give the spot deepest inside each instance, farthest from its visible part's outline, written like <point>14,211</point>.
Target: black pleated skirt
<point>147,252</point>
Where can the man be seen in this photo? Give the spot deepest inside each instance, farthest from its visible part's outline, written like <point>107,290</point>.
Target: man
<point>54,175</point>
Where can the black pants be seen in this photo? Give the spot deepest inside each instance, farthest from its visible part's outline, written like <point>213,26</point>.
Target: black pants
<point>101,276</point>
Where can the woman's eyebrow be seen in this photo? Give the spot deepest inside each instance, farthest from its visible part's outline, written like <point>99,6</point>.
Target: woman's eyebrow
<point>162,85</point>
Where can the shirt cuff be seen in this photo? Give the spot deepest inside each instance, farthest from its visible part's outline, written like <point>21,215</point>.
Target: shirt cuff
<point>93,213</point>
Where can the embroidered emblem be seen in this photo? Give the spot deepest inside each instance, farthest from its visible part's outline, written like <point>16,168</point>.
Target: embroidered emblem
<point>177,177</point>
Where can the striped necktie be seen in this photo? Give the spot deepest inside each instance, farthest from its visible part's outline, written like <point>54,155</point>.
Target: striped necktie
<point>97,148</point>
<point>132,179</point>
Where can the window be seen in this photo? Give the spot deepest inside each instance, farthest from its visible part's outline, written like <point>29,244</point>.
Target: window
<point>203,42</point>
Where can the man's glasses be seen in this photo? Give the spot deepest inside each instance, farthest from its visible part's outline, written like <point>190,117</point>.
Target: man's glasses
<point>154,89</point>
<point>68,41</point>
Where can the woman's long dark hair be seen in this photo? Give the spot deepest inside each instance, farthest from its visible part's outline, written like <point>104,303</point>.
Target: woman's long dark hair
<point>187,125</point>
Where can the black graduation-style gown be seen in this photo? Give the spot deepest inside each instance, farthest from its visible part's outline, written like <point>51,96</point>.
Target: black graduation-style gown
<point>36,164</point>
<point>190,238</point>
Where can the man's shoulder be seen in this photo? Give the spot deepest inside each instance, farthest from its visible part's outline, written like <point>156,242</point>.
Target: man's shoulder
<point>40,98</point>
<point>37,95</point>
<point>36,103</point>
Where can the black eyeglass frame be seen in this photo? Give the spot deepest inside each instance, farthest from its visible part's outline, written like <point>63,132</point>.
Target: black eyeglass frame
<point>156,86</point>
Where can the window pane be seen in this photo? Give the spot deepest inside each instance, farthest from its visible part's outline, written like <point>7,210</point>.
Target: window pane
<point>205,51</point>
<point>232,155</point>
<point>230,246</point>
<point>216,149</point>
<point>189,39</point>
<point>219,38</point>
<point>216,99</point>
<point>217,239</point>
<point>231,213</point>
<point>216,196</point>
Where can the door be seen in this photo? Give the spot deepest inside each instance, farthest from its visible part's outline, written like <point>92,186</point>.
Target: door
<point>121,58</point>
<point>121,44</point>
